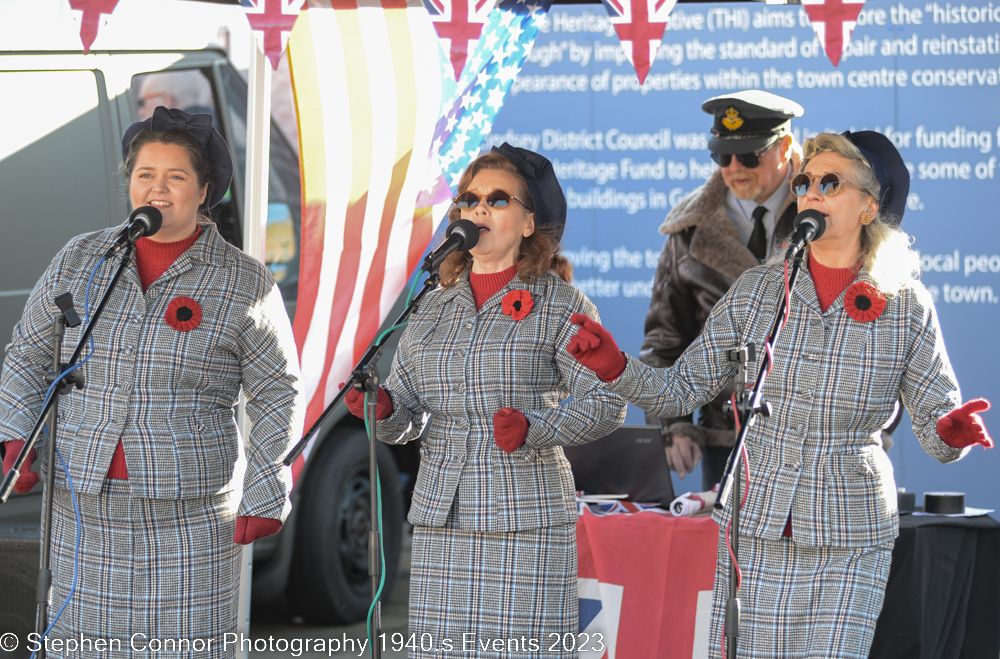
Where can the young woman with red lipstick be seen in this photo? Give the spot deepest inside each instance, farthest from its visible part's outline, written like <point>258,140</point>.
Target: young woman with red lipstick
<point>150,474</point>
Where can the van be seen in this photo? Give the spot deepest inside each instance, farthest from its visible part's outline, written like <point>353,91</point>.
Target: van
<point>63,115</point>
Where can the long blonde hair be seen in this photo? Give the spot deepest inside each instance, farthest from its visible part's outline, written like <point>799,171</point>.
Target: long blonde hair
<point>886,251</point>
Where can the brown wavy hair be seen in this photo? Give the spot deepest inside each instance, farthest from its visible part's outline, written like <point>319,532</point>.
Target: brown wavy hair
<point>539,251</point>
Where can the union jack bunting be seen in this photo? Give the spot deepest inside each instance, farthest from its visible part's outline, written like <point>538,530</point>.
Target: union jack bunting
<point>833,21</point>
<point>271,22</point>
<point>459,23</point>
<point>90,18</point>
<point>468,118</point>
<point>639,25</point>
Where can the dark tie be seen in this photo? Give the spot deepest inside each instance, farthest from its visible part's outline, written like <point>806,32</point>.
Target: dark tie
<point>758,239</point>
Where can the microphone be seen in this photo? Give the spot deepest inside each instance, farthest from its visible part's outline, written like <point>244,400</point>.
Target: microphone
<point>144,221</point>
<point>809,225</point>
<point>461,235</point>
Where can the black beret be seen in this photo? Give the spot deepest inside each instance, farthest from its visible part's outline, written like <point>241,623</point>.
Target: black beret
<point>749,120</point>
<point>890,170</point>
<point>199,126</point>
<point>547,198</point>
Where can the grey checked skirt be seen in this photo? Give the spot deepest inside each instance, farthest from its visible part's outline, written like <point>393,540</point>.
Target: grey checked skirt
<point>157,578</point>
<point>493,595</point>
<point>802,602</point>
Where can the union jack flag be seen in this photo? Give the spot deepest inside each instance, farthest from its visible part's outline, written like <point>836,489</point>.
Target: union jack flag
<point>833,21</point>
<point>90,18</point>
<point>271,22</point>
<point>458,24</point>
<point>640,25</point>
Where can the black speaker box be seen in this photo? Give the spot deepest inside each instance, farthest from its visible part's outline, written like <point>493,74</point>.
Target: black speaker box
<point>18,577</point>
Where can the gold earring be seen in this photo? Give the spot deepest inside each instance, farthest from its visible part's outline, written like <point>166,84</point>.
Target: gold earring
<point>867,217</point>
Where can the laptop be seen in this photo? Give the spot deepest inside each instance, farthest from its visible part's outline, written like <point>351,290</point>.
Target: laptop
<point>629,461</point>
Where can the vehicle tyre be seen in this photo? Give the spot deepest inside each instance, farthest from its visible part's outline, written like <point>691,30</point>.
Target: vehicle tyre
<point>329,580</point>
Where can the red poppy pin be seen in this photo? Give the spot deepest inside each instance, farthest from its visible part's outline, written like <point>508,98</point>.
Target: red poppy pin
<point>183,314</point>
<point>863,302</point>
<point>517,304</point>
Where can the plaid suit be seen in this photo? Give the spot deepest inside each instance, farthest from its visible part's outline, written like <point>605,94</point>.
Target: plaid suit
<point>459,366</point>
<point>167,395</point>
<point>817,458</point>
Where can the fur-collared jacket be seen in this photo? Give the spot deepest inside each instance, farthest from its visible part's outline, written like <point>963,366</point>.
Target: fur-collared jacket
<point>701,259</point>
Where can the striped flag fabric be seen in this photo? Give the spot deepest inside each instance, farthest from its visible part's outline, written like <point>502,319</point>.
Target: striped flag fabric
<point>639,25</point>
<point>367,78</point>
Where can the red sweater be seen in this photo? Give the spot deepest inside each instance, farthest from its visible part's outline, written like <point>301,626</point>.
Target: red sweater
<point>151,260</point>
<point>484,286</point>
<point>830,282</point>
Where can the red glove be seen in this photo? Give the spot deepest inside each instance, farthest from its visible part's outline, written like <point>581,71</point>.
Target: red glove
<point>594,347</point>
<point>250,528</point>
<point>28,479</point>
<point>509,429</point>
<point>963,426</point>
<point>355,401</point>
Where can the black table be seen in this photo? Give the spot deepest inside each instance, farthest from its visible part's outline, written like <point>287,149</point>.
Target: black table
<point>943,596</point>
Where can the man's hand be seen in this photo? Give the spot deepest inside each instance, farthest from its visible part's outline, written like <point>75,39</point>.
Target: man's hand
<point>683,455</point>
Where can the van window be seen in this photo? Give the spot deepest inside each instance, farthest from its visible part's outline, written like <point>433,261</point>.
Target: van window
<point>50,117</point>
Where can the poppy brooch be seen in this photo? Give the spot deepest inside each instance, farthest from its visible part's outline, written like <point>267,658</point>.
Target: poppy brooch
<point>517,304</point>
<point>863,302</point>
<point>183,314</point>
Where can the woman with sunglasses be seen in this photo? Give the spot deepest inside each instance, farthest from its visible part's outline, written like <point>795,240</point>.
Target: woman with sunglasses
<point>484,356</point>
<point>819,518</point>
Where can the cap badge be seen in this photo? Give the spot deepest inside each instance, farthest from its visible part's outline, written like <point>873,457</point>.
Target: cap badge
<point>732,119</point>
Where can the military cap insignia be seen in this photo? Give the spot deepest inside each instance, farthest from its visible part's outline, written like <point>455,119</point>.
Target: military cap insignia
<point>732,120</point>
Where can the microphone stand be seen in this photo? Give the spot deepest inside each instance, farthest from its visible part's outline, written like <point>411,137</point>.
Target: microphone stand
<point>67,317</point>
<point>364,376</point>
<point>749,406</point>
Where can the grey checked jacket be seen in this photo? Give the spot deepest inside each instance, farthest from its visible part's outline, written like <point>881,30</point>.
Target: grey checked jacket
<point>460,366</point>
<point>167,395</point>
<point>834,382</point>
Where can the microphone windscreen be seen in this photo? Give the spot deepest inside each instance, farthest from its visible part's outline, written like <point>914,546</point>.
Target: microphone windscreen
<point>813,217</point>
<point>151,217</point>
<point>468,230</point>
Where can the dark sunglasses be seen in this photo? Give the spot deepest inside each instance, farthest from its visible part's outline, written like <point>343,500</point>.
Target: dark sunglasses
<point>748,160</point>
<point>827,184</point>
<point>496,199</point>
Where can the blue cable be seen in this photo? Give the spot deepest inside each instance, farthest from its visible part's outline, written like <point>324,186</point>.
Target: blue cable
<point>69,479</point>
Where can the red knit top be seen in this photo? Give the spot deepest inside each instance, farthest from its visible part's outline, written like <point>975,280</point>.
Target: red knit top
<point>485,285</point>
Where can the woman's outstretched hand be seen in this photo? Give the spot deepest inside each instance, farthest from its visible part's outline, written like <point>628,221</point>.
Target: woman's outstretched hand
<point>594,347</point>
<point>964,427</point>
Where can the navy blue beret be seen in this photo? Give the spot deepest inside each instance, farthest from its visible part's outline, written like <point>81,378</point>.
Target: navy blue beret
<point>199,126</point>
<point>890,170</point>
<point>547,198</point>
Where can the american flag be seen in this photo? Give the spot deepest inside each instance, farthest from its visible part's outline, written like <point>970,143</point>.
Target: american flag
<point>272,22</point>
<point>367,85</point>
<point>459,24</point>
<point>639,25</point>
<point>833,21</point>
<point>90,18</point>
<point>468,118</point>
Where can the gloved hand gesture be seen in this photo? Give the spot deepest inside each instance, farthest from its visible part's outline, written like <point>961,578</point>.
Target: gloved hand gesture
<point>510,428</point>
<point>964,427</point>
<point>594,347</point>
<point>355,401</point>
<point>28,478</point>
<point>250,528</point>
